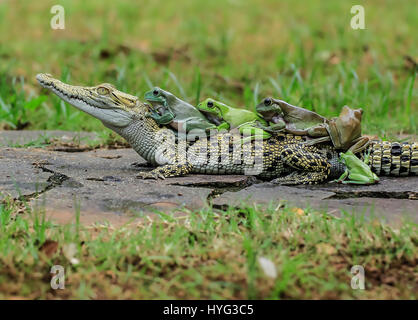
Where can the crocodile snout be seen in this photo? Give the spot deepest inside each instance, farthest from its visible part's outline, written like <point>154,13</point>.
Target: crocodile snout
<point>44,78</point>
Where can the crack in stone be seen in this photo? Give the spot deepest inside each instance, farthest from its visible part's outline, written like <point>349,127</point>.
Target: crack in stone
<point>54,180</point>
<point>375,194</point>
<point>216,192</point>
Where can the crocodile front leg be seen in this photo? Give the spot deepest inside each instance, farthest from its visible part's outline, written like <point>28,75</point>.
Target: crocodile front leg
<point>298,177</point>
<point>166,171</point>
<point>312,167</point>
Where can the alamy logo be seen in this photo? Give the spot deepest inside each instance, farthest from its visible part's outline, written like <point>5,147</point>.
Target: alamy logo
<point>357,21</point>
<point>357,281</point>
<point>58,20</point>
<point>58,280</point>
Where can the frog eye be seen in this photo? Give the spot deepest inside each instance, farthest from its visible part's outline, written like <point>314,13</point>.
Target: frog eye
<point>267,102</point>
<point>210,104</point>
<point>103,91</point>
<point>155,92</point>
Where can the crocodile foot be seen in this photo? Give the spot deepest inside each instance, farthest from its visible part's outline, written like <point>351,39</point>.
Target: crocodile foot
<point>150,175</point>
<point>296,177</point>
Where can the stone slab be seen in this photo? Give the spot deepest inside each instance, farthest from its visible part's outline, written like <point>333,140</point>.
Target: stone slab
<point>18,176</point>
<point>336,199</point>
<point>102,185</point>
<point>23,137</point>
<point>388,187</point>
<point>268,193</point>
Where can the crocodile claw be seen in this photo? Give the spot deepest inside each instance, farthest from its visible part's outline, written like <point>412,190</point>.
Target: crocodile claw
<point>284,182</point>
<point>150,175</point>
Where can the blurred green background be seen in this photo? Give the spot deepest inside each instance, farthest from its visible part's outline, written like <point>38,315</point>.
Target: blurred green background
<point>304,52</point>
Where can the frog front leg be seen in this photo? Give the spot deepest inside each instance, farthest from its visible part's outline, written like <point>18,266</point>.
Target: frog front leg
<point>360,179</point>
<point>198,124</point>
<point>276,127</point>
<point>163,119</point>
<point>342,177</point>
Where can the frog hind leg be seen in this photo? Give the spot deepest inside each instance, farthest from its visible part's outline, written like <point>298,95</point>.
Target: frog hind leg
<point>357,179</point>
<point>359,144</point>
<point>197,124</point>
<point>317,140</point>
<point>251,133</point>
<point>360,179</point>
<point>223,126</point>
<point>251,138</point>
<point>311,166</point>
<point>276,127</point>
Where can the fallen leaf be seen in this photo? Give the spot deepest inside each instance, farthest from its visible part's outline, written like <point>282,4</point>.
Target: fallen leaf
<point>105,54</point>
<point>298,211</point>
<point>334,59</point>
<point>49,247</point>
<point>268,267</point>
<point>325,248</point>
<point>70,250</point>
<point>287,234</point>
<point>389,280</point>
<point>410,62</point>
<point>161,57</point>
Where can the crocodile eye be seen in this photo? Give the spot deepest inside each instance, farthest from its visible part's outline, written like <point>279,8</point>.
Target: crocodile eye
<point>155,92</point>
<point>210,104</point>
<point>103,91</point>
<point>267,101</point>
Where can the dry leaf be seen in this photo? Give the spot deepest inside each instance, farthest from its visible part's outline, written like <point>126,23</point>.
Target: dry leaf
<point>325,248</point>
<point>268,267</point>
<point>49,247</point>
<point>287,234</point>
<point>334,59</point>
<point>298,211</point>
<point>70,250</point>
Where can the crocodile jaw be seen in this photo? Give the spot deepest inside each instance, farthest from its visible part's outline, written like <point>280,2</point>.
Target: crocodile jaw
<point>109,110</point>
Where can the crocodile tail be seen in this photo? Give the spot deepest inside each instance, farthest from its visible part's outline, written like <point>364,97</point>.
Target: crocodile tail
<point>394,158</point>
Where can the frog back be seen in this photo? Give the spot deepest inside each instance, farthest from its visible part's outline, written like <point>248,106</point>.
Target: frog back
<point>236,116</point>
<point>299,118</point>
<point>186,112</point>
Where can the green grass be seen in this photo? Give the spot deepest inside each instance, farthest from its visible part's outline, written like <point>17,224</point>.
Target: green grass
<point>208,254</point>
<point>238,52</point>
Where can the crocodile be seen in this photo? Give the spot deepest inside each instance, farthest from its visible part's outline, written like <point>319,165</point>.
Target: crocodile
<point>283,157</point>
